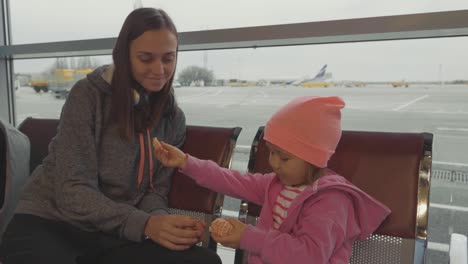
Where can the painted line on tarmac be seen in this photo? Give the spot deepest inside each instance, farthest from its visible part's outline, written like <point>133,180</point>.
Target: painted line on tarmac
<point>188,97</point>
<point>450,163</point>
<point>265,95</point>
<point>460,136</point>
<point>449,207</point>
<point>218,92</point>
<point>410,102</point>
<point>243,149</point>
<point>433,112</point>
<point>224,248</point>
<point>438,246</point>
<point>230,213</point>
<point>458,129</point>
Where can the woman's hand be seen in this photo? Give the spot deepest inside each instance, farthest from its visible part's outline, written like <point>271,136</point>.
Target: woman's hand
<point>169,155</point>
<point>175,232</point>
<point>234,237</point>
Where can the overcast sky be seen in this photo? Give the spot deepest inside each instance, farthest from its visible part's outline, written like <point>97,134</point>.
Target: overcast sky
<point>412,60</point>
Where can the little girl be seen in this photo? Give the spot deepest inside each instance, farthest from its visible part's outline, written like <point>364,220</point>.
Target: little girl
<point>309,213</point>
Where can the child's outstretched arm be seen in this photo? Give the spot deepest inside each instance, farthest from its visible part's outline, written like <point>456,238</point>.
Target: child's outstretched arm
<point>169,155</point>
<point>210,175</point>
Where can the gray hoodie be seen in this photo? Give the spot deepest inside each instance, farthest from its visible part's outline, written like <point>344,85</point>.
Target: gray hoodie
<point>89,179</point>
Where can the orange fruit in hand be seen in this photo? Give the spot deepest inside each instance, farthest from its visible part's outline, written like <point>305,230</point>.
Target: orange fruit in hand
<point>221,227</point>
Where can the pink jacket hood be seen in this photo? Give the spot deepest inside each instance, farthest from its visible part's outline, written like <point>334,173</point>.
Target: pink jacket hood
<point>369,212</point>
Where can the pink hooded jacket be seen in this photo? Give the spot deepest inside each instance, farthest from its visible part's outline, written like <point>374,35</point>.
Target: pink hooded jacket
<point>322,222</point>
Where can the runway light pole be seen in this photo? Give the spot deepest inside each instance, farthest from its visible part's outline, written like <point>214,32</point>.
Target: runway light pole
<point>440,76</point>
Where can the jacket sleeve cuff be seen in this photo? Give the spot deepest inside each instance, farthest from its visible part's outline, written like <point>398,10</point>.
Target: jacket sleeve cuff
<point>159,212</point>
<point>190,164</point>
<point>135,226</point>
<point>253,240</point>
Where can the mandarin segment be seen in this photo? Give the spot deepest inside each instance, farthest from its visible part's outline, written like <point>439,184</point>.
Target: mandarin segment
<point>221,227</point>
<point>156,143</point>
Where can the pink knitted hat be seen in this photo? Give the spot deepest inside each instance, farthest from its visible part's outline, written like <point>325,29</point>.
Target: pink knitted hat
<point>309,127</point>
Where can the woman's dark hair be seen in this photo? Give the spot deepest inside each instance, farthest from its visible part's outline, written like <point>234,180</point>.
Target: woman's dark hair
<point>133,120</point>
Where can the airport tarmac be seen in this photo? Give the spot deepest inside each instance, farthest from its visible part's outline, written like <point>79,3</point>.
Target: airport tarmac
<point>440,110</point>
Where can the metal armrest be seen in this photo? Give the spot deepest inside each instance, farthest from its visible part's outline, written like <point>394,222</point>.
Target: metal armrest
<point>458,249</point>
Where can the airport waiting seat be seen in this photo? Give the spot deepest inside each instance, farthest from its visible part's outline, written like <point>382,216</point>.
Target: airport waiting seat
<point>40,132</point>
<point>14,170</point>
<point>392,167</point>
<point>185,196</point>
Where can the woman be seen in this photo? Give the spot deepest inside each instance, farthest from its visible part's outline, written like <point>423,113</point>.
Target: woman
<point>100,196</point>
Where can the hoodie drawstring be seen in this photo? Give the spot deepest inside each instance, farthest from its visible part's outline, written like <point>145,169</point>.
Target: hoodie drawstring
<point>143,158</point>
<point>150,151</point>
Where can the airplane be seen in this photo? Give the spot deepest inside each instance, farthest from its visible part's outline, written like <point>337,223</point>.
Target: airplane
<point>319,80</point>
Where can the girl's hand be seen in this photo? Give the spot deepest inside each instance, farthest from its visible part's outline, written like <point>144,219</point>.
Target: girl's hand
<point>233,239</point>
<point>175,232</point>
<point>169,155</point>
<point>200,227</point>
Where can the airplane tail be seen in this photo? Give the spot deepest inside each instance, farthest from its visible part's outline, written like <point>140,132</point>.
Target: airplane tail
<point>321,74</point>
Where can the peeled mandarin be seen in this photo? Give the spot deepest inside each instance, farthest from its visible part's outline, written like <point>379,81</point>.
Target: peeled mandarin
<point>221,227</point>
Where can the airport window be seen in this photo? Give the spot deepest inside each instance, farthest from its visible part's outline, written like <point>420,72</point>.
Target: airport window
<point>406,71</point>
<point>388,86</point>
<point>57,20</point>
<point>408,85</point>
